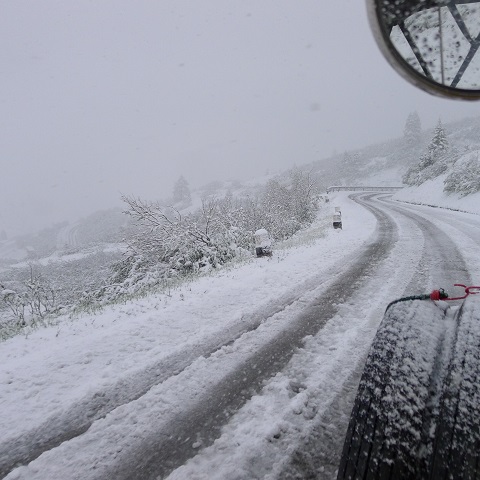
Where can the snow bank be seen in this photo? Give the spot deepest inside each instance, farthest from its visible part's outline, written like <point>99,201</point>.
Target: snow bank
<point>431,193</point>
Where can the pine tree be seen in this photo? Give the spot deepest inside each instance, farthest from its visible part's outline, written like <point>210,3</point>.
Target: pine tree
<point>181,191</point>
<point>433,162</point>
<point>413,130</point>
<point>438,146</point>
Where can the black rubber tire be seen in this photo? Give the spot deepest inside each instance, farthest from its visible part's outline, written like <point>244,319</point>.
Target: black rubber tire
<point>417,411</point>
<point>392,414</point>
<point>456,450</point>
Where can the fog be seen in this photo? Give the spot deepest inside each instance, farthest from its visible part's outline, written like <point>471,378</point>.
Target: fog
<point>105,97</point>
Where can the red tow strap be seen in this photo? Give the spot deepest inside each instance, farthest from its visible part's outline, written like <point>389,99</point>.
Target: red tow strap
<point>436,294</point>
<point>440,294</point>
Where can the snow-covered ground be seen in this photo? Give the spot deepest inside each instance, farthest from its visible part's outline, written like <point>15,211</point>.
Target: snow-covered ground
<point>376,173</point>
<point>431,193</point>
<point>60,372</point>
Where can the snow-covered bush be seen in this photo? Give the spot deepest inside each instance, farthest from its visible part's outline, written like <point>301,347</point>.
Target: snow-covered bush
<point>180,242</point>
<point>427,169</point>
<point>166,244</point>
<point>465,177</point>
<point>25,304</point>
<point>287,208</point>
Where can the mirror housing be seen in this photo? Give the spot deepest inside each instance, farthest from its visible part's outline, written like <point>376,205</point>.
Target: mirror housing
<point>433,44</point>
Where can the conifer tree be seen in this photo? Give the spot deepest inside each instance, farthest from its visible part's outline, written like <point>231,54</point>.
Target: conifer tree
<point>433,162</point>
<point>181,191</point>
<point>413,130</point>
<point>439,144</point>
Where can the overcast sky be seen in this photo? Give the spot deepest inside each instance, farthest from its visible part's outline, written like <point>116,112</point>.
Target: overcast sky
<point>103,97</point>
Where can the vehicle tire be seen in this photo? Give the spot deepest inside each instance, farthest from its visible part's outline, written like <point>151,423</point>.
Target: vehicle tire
<point>389,434</point>
<point>417,411</point>
<point>456,450</point>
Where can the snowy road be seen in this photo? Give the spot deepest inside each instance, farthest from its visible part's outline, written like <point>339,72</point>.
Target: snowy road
<point>264,397</point>
<point>256,361</point>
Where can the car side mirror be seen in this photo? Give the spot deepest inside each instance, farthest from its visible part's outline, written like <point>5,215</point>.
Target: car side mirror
<point>434,44</point>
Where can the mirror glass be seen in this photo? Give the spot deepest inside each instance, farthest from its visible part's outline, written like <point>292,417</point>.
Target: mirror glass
<point>438,39</point>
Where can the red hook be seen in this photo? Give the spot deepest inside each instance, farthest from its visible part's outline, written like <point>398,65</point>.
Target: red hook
<point>468,291</point>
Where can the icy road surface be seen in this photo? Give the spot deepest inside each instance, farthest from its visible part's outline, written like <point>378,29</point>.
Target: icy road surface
<point>250,373</point>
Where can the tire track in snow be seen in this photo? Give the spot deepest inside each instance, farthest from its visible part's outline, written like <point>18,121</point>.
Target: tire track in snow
<point>442,263</point>
<point>156,457</point>
<point>172,444</point>
<point>78,417</point>
<point>462,228</point>
<point>175,442</point>
<point>442,259</point>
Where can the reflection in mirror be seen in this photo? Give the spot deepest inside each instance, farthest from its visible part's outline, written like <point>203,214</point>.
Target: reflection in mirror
<point>438,38</point>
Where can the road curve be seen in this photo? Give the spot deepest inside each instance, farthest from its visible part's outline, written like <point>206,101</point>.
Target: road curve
<point>174,446</point>
<point>76,419</point>
<point>441,265</point>
<point>155,456</point>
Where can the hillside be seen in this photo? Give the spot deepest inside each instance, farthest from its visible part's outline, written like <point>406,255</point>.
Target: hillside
<point>109,256</point>
<point>380,164</point>
<point>386,163</point>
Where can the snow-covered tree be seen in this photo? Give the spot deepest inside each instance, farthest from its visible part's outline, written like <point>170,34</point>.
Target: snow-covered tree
<point>305,202</point>
<point>434,161</point>
<point>413,130</point>
<point>181,191</point>
<point>29,301</point>
<point>165,243</point>
<point>465,177</point>
<point>172,243</point>
<point>276,210</point>
<point>439,144</point>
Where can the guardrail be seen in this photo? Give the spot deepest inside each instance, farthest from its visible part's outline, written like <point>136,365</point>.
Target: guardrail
<point>362,188</point>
